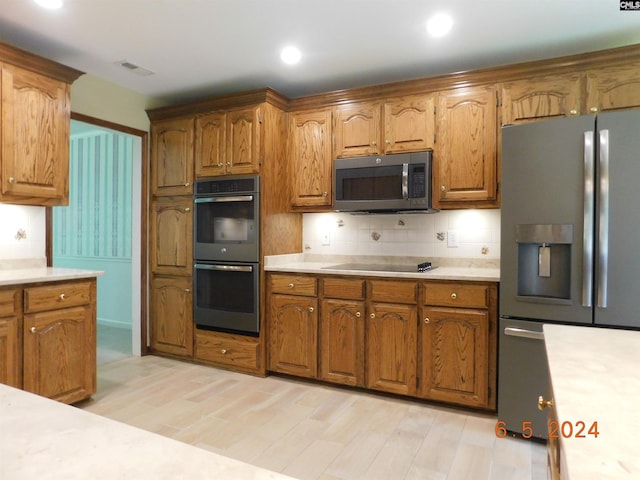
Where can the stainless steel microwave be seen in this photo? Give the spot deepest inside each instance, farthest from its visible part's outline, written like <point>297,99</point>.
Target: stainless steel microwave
<point>384,183</point>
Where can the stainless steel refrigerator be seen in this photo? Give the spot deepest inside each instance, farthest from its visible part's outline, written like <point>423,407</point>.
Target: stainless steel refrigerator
<point>570,240</point>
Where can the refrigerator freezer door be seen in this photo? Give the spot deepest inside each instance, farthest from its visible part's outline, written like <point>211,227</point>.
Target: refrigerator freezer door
<point>618,260</point>
<point>544,189</point>
<point>523,376</point>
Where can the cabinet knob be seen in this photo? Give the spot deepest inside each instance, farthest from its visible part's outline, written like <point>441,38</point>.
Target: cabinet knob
<point>594,109</point>
<point>311,309</point>
<point>228,164</point>
<point>187,210</point>
<point>220,164</point>
<point>358,314</point>
<point>187,184</point>
<point>387,141</point>
<point>542,403</point>
<point>426,320</point>
<point>373,315</point>
<point>223,351</point>
<point>62,296</point>
<point>453,296</point>
<point>374,143</point>
<point>443,188</point>
<point>325,194</point>
<point>187,290</point>
<point>573,112</point>
<point>33,330</point>
<point>291,285</point>
<point>12,180</point>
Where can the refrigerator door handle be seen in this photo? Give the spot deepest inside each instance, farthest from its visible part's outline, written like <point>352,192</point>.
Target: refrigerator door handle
<point>603,220</point>
<point>588,220</point>
<point>521,332</point>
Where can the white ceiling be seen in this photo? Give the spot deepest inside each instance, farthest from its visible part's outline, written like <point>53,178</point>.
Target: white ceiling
<point>209,47</point>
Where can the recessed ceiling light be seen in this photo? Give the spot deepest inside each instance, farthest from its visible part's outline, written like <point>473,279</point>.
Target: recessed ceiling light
<point>290,55</point>
<point>439,25</point>
<point>51,4</point>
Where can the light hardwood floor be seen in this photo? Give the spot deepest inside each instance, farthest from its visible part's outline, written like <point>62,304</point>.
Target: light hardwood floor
<point>310,431</point>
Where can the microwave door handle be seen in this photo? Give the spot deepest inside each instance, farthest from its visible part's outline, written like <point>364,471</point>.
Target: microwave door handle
<point>225,268</point>
<point>238,198</point>
<point>405,181</point>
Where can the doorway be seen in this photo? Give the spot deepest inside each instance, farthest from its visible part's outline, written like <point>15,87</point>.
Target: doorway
<point>101,229</point>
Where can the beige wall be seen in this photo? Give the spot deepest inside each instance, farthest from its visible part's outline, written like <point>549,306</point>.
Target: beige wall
<point>107,101</point>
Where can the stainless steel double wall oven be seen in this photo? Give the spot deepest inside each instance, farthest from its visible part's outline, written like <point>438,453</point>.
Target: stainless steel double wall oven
<point>227,254</point>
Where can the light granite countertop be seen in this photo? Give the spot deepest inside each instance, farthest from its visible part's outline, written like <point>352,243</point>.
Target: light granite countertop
<point>34,270</point>
<point>479,270</point>
<point>594,376</point>
<point>41,438</point>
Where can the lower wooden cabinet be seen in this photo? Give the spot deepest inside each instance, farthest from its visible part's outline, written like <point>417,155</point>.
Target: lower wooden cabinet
<point>10,371</point>
<point>235,352</point>
<point>171,315</point>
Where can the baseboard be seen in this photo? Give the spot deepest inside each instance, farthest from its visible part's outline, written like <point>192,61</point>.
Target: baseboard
<point>107,322</point>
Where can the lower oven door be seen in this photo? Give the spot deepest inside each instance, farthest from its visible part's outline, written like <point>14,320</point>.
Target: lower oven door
<point>227,297</point>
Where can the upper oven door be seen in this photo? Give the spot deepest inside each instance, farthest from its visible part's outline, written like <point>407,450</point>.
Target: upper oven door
<point>226,227</point>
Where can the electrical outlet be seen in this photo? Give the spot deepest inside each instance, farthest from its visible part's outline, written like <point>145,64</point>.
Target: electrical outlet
<point>325,239</point>
<point>452,239</point>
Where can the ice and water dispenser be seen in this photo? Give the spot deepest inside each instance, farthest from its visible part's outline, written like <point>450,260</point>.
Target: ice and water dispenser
<point>544,262</point>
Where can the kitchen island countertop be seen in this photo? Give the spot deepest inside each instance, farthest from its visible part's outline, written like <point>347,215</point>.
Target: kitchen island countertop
<point>594,376</point>
<point>20,276</point>
<point>447,269</point>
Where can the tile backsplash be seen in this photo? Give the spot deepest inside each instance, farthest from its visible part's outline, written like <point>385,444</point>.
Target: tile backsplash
<point>22,231</point>
<point>424,235</point>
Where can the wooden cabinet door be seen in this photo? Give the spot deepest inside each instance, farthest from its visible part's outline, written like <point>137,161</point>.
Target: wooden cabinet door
<point>9,357</point>
<point>171,315</point>
<point>392,348</point>
<point>244,140</point>
<point>540,98</point>
<point>210,145</point>
<point>293,335</point>
<point>60,353</point>
<point>409,124</point>
<point>34,131</point>
<point>357,129</point>
<point>613,88</point>
<point>172,157</point>
<point>171,239</point>
<point>311,161</point>
<point>465,155</point>
<point>342,342</point>
<point>455,356</point>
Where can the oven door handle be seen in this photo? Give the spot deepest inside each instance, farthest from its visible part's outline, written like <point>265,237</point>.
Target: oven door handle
<point>238,198</point>
<point>224,268</point>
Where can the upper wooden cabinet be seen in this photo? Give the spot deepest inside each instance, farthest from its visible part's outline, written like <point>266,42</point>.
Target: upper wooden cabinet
<point>34,133</point>
<point>172,157</point>
<point>171,236</point>
<point>404,124</point>
<point>229,142</point>
<point>465,158</point>
<point>540,98</point>
<point>310,156</point>
<point>613,88</point>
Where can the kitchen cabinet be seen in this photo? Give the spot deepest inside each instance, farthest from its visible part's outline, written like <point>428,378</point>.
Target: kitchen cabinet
<point>171,235</point>
<point>395,125</point>
<point>34,137</point>
<point>311,159</point>
<point>172,144</point>
<point>341,331</point>
<point>391,333</point>
<point>59,340</point>
<point>465,157</point>
<point>229,142</point>
<point>458,335</point>
<point>171,315</point>
<point>10,307</point>
<point>613,88</point>
<point>225,350</point>
<point>535,99</point>
<point>293,325</point>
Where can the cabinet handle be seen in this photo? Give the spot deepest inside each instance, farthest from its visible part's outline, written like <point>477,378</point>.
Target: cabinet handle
<point>187,290</point>
<point>33,329</point>
<point>443,188</point>
<point>291,285</point>
<point>12,180</point>
<point>426,320</point>
<point>187,210</point>
<point>373,315</point>
<point>223,351</point>
<point>594,109</point>
<point>358,314</point>
<point>187,184</point>
<point>310,309</point>
<point>542,403</point>
<point>454,296</point>
<point>62,296</point>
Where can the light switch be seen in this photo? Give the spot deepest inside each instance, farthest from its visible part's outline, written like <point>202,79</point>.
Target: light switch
<point>452,239</point>
<point>325,239</point>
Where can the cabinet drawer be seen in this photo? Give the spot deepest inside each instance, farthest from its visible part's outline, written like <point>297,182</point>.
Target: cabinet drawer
<point>52,297</point>
<point>456,295</point>
<point>294,285</point>
<point>393,291</point>
<point>347,288</point>
<point>8,302</point>
<point>227,350</point>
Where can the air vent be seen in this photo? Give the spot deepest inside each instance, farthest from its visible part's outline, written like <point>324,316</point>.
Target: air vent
<point>132,67</point>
